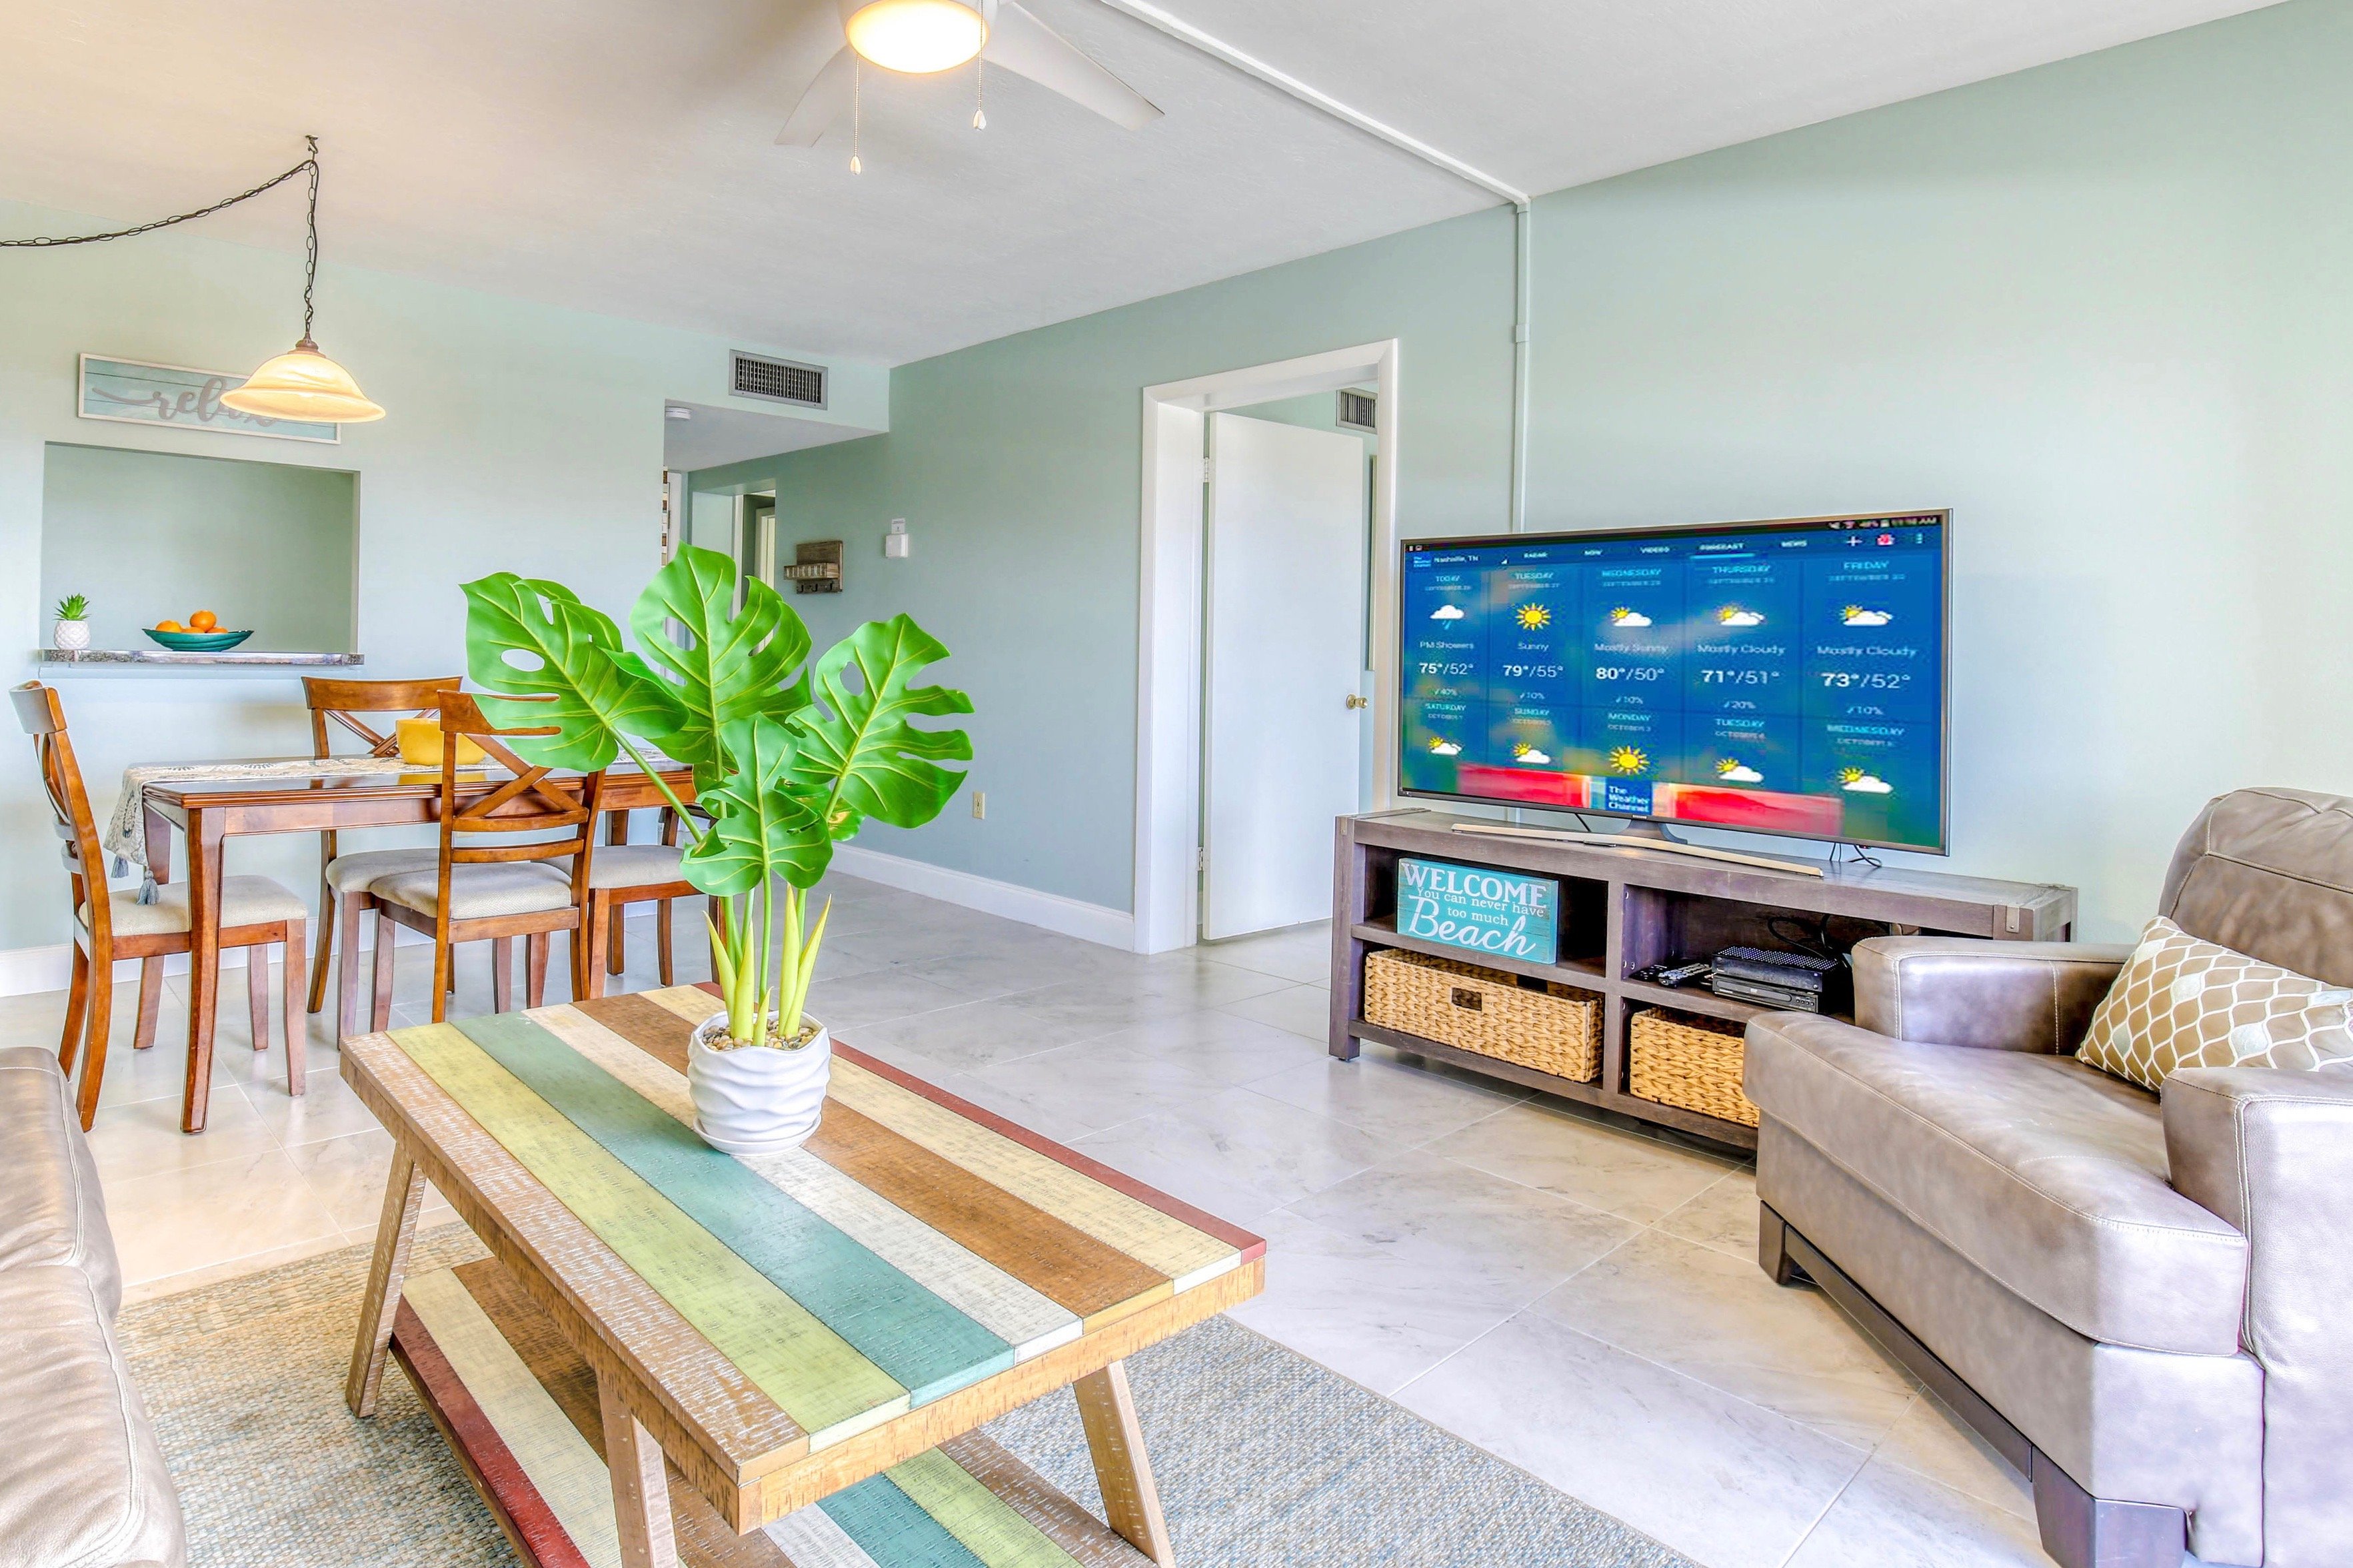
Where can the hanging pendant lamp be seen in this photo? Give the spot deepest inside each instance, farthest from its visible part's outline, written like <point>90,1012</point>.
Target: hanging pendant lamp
<point>303,383</point>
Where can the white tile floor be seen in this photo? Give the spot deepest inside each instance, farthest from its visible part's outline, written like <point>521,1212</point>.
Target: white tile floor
<point>1581,1300</point>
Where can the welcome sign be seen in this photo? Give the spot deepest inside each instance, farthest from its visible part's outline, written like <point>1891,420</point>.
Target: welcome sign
<point>1479,910</point>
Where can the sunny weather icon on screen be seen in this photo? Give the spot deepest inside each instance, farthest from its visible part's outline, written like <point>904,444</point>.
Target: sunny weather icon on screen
<point>1856,615</point>
<point>1629,761</point>
<point>1533,617</point>
<point>1627,616</point>
<point>1734,616</point>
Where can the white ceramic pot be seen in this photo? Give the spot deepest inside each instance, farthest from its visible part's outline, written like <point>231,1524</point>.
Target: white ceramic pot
<point>756,1100</point>
<point>73,635</point>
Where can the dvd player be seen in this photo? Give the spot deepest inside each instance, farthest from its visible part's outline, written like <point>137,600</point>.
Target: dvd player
<point>1793,999</point>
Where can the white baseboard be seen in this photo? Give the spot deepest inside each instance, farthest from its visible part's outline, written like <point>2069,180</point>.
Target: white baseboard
<point>1053,912</point>
<point>28,970</point>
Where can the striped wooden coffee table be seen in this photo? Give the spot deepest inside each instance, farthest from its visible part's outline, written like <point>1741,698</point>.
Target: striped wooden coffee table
<point>809,1339</point>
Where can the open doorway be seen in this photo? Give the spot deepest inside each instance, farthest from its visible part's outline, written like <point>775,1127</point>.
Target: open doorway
<point>1178,652</point>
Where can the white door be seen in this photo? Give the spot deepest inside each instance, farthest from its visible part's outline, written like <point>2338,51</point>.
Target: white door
<point>1283,654</point>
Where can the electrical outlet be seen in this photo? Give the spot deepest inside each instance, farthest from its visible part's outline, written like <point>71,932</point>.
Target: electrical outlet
<point>979,805</point>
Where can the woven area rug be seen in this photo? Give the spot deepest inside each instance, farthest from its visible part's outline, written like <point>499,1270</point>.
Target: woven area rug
<point>1262,1456</point>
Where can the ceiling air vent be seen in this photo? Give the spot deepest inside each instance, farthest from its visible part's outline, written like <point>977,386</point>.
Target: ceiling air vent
<point>777,380</point>
<point>1355,410</point>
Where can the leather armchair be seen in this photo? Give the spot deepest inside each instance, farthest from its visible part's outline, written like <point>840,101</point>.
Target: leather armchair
<point>2136,1299</point>
<point>82,1480</point>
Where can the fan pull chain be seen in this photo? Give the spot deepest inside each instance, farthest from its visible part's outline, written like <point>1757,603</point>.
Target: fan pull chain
<point>857,112</point>
<point>980,94</point>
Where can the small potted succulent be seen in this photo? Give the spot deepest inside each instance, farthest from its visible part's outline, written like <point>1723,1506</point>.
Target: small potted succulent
<point>73,622</point>
<point>790,755</point>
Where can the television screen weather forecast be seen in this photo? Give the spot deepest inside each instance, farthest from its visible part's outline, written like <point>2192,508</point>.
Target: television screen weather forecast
<point>1785,678</point>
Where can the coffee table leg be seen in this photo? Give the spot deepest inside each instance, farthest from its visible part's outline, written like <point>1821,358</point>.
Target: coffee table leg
<point>404,1196</point>
<point>1123,1472</point>
<point>640,1484</point>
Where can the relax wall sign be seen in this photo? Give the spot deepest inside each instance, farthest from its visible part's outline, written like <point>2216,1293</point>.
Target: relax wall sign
<point>131,392</point>
<point>1479,910</point>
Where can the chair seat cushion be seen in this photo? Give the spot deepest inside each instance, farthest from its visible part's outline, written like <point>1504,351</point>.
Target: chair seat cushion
<point>51,1208</point>
<point>81,1476</point>
<point>244,901</point>
<point>481,892</point>
<point>637,865</point>
<point>359,871</point>
<point>2045,1174</point>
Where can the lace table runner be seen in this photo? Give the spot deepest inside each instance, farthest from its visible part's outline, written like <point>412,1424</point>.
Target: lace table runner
<point>126,837</point>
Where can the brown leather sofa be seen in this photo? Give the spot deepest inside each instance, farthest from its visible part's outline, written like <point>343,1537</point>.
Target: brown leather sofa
<point>2145,1304</point>
<point>82,1482</point>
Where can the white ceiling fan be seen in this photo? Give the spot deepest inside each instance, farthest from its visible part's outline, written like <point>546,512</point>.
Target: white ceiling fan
<point>923,37</point>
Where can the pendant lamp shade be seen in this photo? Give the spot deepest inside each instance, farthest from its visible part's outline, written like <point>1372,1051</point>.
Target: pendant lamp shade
<point>918,36</point>
<point>303,383</point>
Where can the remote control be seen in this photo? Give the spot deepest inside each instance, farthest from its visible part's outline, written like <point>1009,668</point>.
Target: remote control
<point>1678,974</point>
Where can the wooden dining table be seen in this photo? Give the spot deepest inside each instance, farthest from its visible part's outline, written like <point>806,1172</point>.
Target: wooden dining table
<point>210,812</point>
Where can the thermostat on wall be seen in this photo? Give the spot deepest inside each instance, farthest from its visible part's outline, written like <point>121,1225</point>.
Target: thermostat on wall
<point>895,543</point>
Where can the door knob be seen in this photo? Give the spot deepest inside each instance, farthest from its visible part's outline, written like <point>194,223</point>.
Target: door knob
<point>1357,702</point>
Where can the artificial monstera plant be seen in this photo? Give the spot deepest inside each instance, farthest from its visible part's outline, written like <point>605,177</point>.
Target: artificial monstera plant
<point>790,755</point>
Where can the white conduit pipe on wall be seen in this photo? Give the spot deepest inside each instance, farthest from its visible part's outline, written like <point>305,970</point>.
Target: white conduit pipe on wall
<point>1522,212</point>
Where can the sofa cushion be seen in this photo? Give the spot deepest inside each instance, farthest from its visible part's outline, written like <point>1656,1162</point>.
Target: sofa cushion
<point>51,1210</point>
<point>2046,1175</point>
<point>82,1480</point>
<point>2183,1002</point>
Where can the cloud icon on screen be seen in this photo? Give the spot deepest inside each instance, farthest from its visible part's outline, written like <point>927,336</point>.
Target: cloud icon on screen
<point>1530,756</point>
<point>1855,780</point>
<point>1856,615</point>
<point>1623,617</point>
<point>1734,616</point>
<point>1444,749</point>
<point>1733,771</point>
<point>1447,613</point>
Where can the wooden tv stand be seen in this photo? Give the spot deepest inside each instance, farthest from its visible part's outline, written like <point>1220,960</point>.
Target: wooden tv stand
<point>1623,908</point>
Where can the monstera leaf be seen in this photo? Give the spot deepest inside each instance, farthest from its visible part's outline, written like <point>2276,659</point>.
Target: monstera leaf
<point>734,664</point>
<point>575,655</point>
<point>856,752</point>
<point>762,825</point>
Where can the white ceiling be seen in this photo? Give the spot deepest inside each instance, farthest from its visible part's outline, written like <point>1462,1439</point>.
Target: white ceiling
<point>616,155</point>
<point>715,437</point>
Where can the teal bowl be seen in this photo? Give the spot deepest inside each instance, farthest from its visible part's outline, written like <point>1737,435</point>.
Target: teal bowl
<point>198,642</point>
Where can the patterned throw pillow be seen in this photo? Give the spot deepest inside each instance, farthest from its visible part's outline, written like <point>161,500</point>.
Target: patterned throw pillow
<point>2184,1003</point>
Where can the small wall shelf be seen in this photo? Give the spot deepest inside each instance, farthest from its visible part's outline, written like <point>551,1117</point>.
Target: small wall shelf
<point>1623,908</point>
<point>127,661</point>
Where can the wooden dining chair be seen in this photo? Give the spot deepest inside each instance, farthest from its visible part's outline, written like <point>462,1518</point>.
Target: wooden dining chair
<point>620,874</point>
<point>343,879</point>
<point>254,912</point>
<point>494,891</point>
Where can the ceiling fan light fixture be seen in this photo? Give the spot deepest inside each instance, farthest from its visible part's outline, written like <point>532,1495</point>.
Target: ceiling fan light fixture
<point>920,38</point>
<point>303,383</point>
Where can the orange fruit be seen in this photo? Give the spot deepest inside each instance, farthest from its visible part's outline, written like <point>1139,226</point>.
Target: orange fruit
<point>202,621</point>
<point>170,626</point>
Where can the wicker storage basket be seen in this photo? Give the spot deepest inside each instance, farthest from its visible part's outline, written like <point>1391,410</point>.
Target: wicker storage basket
<point>1556,1030</point>
<point>1675,1059</point>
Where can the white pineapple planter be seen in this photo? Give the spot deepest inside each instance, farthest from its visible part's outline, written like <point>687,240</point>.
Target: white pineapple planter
<point>72,636</point>
<point>756,1100</point>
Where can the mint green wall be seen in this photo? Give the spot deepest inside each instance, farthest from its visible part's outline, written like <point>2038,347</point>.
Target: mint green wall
<point>2101,309</point>
<point>519,436</point>
<point>151,536</point>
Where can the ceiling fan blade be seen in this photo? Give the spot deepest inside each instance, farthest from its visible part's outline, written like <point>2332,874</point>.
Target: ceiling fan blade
<point>825,102</point>
<point>1024,45</point>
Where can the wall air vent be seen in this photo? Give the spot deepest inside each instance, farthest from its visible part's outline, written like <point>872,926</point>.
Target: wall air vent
<point>1355,410</point>
<point>777,380</point>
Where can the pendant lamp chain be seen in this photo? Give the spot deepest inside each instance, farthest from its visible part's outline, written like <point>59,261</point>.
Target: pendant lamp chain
<point>302,386</point>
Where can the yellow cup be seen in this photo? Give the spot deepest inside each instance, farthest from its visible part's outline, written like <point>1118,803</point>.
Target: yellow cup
<point>420,744</point>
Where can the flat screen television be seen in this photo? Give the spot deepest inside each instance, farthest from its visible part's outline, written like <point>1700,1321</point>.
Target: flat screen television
<point>1784,677</point>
